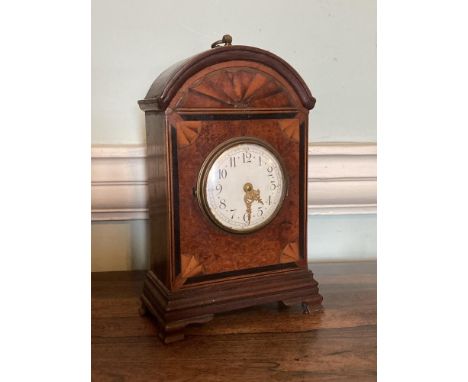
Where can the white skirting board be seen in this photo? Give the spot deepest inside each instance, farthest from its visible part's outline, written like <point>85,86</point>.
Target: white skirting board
<point>342,180</point>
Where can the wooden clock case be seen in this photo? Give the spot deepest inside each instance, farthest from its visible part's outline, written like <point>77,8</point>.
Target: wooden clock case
<point>198,269</point>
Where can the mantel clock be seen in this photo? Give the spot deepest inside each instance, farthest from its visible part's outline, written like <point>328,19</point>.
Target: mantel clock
<point>227,177</point>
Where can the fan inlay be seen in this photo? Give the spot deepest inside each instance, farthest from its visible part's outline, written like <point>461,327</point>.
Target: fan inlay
<point>290,253</point>
<point>236,88</point>
<point>187,132</point>
<point>290,128</point>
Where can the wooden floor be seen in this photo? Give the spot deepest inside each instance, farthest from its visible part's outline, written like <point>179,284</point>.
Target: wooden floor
<point>265,343</point>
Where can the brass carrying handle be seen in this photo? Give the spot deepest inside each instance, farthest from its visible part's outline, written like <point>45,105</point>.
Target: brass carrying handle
<point>226,40</point>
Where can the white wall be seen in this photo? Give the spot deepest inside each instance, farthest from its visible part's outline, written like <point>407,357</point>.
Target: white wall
<point>342,237</point>
<point>119,245</point>
<point>332,44</point>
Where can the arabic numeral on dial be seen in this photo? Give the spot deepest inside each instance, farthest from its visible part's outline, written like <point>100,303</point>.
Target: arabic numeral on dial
<point>219,188</point>
<point>232,215</point>
<point>272,180</point>
<point>232,161</point>
<point>222,173</point>
<point>246,217</point>
<point>260,211</point>
<point>269,200</point>
<point>222,204</point>
<point>247,157</point>
<point>259,161</point>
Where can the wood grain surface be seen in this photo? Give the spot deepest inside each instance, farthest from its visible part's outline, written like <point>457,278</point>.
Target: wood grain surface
<point>235,98</point>
<point>233,252</point>
<point>263,343</point>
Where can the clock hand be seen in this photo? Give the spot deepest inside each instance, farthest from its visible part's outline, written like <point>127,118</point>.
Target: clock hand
<point>251,196</point>
<point>248,210</point>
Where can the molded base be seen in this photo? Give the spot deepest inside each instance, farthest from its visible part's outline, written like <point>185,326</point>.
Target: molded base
<point>174,310</point>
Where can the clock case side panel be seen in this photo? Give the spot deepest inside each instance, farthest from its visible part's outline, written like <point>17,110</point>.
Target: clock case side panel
<point>159,191</point>
<point>303,184</point>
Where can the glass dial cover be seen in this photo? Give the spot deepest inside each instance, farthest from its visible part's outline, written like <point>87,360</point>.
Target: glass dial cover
<point>242,185</point>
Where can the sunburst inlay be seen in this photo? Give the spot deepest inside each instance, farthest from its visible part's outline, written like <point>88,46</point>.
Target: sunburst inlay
<point>236,88</point>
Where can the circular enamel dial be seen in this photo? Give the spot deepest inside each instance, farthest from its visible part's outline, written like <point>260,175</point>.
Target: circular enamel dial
<point>242,185</point>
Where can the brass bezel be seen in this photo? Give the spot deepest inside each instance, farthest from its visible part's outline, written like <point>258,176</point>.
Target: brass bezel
<point>208,163</point>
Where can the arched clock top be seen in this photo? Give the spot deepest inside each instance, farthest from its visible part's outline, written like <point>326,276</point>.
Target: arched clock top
<point>250,86</point>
